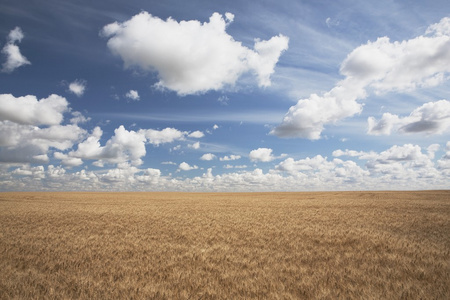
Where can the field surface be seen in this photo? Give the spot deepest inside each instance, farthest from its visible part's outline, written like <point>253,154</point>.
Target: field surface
<point>357,245</point>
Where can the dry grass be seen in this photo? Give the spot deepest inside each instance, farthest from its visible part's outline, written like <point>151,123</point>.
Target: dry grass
<point>368,245</point>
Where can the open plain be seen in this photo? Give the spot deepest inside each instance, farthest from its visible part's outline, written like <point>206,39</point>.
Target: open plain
<point>357,245</point>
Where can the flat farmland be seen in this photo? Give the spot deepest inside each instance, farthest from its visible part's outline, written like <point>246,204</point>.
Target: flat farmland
<point>330,245</point>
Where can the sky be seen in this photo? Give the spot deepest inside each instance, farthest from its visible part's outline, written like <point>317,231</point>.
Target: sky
<point>229,96</point>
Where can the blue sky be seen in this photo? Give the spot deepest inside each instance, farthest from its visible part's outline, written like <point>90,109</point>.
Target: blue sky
<point>214,96</point>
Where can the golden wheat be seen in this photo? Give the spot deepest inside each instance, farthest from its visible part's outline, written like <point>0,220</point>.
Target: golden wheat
<point>358,245</point>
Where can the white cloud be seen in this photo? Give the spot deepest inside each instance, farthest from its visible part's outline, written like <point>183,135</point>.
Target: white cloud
<point>439,29</point>
<point>78,118</point>
<point>167,135</point>
<point>407,152</point>
<point>215,126</point>
<point>67,160</point>
<point>149,175</point>
<point>405,65</point>
<point>308,117</point>
<point>430,118</point>
<point>123,174</point>
<point>15,35</point>
<point>58,136</point>
<point>208,156</point>
<point>265,57</point>
<point>229,16</point>
<point>398,162</point>
<point>21,138</point>
<point>28,143</point>
<point>78,87</point>
<point>196,134</point>
<point>380,66</point>
<point>261,154</point>
<point>125,177</point>
<point>55,172</point>
<point>308,164</point>
<point>384,126</point>
<point>90,148</point>
<point>133,95</point>
<point>395,168</point>
<point>395,153</point>
<point>231,157</point>
<point>37,173</point>
<point>123,147</point>
<point>14,59</point>
<point>186,167</point>
<point>318,170</point>
<point>405,162</point>
<point>195,145</point>
<point>192,57</point>
<point>31,111</point>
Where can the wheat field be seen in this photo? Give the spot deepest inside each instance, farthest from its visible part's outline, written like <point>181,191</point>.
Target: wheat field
<point>343,245</point>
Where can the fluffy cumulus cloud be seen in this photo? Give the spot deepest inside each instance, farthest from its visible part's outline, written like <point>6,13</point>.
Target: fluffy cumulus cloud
<point>184,166</point>
<point>133,95</point>
<point>123,147</point>
<point>29,128</point>
<point>26,143</point>
<point>378,67</point>
<point>66,160</point>
<point>207,156</point>
<point>167,135</point>
<point>261,154</point>
<point>316,163</point>
<point>192,57</point>
<point>31,111</point>
<point>308,117</point>
<point>430,118</point>
<point>396,167</point>
<point>403,164</point>
<point>14,58</point>
<point>90,148</point>
<point>78,87</point>
<point>319,172</point>
<point>406,65</point>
